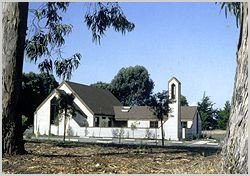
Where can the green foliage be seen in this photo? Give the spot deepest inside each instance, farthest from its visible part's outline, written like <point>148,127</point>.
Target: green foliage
<point>65,67</point>
<point>232,7</point>
<point>133,126</point>
<point>207,113</point>
<point>24,120</point>
<point>223,116</point>
<point>184,101</point>
<point>46,34</point>
<point>132,86</point>
<point>35,88</point>
<point>105,15</point>
<point>66,105</point>
<point>66,108</point>
<point>101,85</point>
<point>160,104</point>
<point>104,122</point>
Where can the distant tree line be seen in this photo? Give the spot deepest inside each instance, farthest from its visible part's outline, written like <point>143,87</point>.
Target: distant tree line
<point>213,118</point>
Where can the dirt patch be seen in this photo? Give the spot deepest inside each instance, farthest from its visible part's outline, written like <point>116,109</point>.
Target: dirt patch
<point>57,158</point>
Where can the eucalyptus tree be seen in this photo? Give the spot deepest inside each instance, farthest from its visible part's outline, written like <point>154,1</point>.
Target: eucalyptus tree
<point>43,46</point>
<point>66,109</point>
<point>160,105</point>
<point>235,147</point>
<point>14,24</point>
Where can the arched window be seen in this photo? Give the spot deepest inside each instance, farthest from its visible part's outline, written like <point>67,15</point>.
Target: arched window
<point>54,110</point>
<point>173,91</point>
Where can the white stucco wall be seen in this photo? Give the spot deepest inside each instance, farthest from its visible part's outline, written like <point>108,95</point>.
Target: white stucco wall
<point>65,88</point>
<point>139,123</point>
<point>152,133</point>
<point>58,130</point>
<point>42,118</point>
<point>172,126</point>
<point>189,124</point>
<point>90,117</point>
<point>192,126</point>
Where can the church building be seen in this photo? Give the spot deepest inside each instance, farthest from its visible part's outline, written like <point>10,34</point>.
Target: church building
<point>100,114</point>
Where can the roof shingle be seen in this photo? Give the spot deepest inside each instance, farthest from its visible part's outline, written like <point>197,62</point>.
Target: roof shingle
<point>100,101</point>
<point>135,113</point>
<point>188,112</point>
<point>146,113</point>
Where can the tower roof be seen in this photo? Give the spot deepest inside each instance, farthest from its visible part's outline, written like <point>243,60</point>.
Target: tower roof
<point>174,79</point>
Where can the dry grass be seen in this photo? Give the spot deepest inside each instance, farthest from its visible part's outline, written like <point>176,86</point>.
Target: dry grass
<point>47,158</point>
<point>218,135</point>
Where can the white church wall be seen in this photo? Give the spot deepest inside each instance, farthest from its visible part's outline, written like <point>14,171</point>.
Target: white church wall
<point>107,132</point>
<point>43,118</point>
<point>192,127</point>
<point>189,124</point>
<point>90,116</point>
<point>170,129</point>
<point>172,126</point>
<point>35,123</point>
<point>65,88</point>
<point>139,123</point>
<point>72,128</point>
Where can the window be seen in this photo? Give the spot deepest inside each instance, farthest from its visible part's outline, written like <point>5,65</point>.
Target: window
<point>173,91</point>
<point>184,124</point>
<point>153,124</point>
<point>97,119</point>
<point>54,110</point>
<point>110,122</point>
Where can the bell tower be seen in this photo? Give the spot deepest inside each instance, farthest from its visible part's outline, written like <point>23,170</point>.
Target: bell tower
<point>173,124</point>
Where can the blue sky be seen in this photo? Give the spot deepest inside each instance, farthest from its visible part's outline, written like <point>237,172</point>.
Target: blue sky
<point>190,41</point>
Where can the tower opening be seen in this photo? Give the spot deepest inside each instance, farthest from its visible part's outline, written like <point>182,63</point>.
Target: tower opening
<point>173,92</point>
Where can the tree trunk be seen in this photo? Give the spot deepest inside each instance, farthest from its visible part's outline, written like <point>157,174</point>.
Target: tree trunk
<point>64,126</point>
<point>162,134</point>
<point>14,27</point>
<point>235,148</point>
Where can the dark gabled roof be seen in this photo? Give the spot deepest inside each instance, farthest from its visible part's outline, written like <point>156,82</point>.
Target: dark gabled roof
<point>188,112</point>
<point>134,113</point>
<point>146,113</point>
<point>100,101</point>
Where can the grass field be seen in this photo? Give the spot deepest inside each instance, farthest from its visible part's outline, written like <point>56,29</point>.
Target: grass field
<point>218,135</point>
<point>78,158</point>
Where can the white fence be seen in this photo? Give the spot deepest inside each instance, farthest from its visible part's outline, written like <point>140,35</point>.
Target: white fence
<point>110,132</point>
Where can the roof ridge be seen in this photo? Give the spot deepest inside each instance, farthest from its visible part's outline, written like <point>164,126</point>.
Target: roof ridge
<point>87,86</point>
